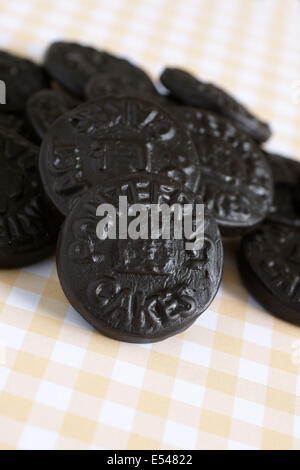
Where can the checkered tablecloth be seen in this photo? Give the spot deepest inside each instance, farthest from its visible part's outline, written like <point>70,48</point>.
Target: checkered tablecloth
<point>232,380</point>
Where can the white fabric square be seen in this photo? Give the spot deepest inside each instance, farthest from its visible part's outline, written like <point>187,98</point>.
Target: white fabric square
<point>54,395</point>
<point>248,411</point>
<point>68,354</point>
<point>187,392</point>
<point>180,435</point>
<point>253,371</point>
<point>76,319</point>
<point>208,319</point>
<point>23,299</point>
<point>196,353</point>
<point>128,373</point>
<point>35,438</point>
<point>117,415</point>
<point>258,334</point>
<point>234,445</point>
<point>11,336</point>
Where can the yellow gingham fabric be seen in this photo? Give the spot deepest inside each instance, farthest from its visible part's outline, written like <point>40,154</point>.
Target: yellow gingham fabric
<point>232,380</point>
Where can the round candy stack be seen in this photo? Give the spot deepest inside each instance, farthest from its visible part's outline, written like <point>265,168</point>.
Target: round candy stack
<point>86,128</point>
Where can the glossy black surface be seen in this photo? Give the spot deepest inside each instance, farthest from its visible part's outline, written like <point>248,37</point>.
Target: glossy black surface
<point>100,140</point>
<point>118,84</point>
<point>193,92</point>
<point>269,262</point>
<point>237,183</point>
<point>28,225</point>
<point>73,64</point>
<point>137,290</point>
<point>286,173</point>
<point>45,106</point>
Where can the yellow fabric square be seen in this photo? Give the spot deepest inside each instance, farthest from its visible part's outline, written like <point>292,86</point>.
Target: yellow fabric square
<point>31,282</point>
<point>286,328</point>
<point>53,308</point>
<point>54,291</point>
<point>228,344</point>
<point>163,363</point>
<point>9,276</point>
<point>233,308</point>
<point>103,345</point>
<point>92,384</point>
<point>283,361</point>
<point>273,440</point>
<point>45,326</point>
<point>215,423</point>
<point>221,381</point>
<point>154,404</point>
<point>4,446</point>
<point>280,400</point>
<point>30,364</point>
<point>5,290</point>
<point>137,442</point>
<point>14,407</point>
<point>79,428</point>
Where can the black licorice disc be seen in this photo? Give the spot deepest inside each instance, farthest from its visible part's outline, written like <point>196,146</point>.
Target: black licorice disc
<point>237,183</point>
<point>269,262</point>
<point>28,225</point>
<point>285,208</point>
<point>73,64</point>
<point>100,140</point>
<point>45,106</point>
<point>137,290</point>
<point>193,92</point>
<point>22,78</point>
<point>116,84</point>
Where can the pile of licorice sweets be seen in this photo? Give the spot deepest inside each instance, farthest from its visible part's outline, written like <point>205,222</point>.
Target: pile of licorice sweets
<point>87,127</point>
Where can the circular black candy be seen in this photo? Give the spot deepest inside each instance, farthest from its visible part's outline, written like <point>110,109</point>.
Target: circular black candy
<point>72,65</point>
<point>108,138</point>
<point>115,84</point>
<point>28,225</point>
<point>269,262</point>
<point>22,78</point>
<point>137,290</point>
<point>237,184</point>
<point>286,173</point>
<point>191,91</point>
<point>45,106</point>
